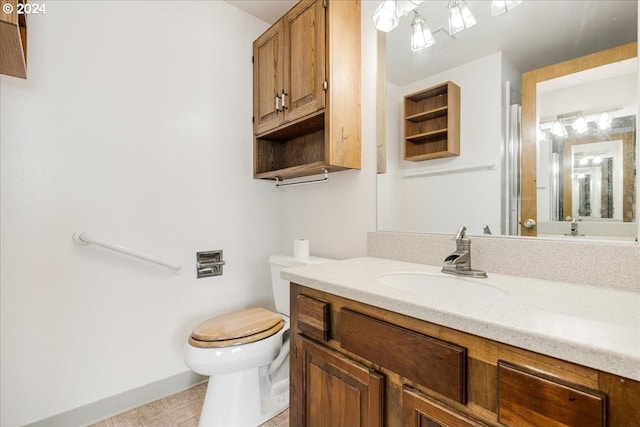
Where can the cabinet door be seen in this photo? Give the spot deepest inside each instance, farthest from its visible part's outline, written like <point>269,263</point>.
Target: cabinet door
<point>268,79</point>
<point>304,56</point>
<point>420,411</point>
<point>336,391</point>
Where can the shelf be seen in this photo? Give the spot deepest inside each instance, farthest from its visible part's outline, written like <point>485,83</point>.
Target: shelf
<point>427,136</point>
<point>303,126</point>
<point>316,168</point>
<point>432,123</point>
<point>428,115</point>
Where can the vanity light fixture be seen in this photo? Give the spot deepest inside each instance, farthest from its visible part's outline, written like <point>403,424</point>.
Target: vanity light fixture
<point>581,122</point>
<point>385,18</point>
<point>421,37</point>
<point>498,7</point>
<point>460,17</point>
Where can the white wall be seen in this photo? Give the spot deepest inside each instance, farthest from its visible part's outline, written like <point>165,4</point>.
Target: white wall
<point>440,204</point>
<point>336,216</point>
<point>134,124</point>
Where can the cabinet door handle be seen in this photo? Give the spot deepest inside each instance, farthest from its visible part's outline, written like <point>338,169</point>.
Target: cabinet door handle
<point>277,104</point>
<point>284,100</point>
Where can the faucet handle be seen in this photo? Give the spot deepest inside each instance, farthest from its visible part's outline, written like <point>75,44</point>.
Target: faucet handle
<point>461,234</point>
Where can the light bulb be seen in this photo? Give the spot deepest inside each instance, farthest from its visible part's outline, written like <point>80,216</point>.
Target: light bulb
<point>604,121</point>
<point>460,17</point>
<point>580,125</point>
<point>421,37</point>
<point>558,130</point>
<point>385,18</point>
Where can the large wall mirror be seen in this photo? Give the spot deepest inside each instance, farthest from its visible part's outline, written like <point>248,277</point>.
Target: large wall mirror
<point>581,185</point>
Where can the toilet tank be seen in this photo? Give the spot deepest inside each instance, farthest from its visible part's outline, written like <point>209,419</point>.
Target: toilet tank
<point>280,286</point>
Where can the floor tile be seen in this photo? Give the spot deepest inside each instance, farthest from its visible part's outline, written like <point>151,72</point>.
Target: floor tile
<point>179,410</point>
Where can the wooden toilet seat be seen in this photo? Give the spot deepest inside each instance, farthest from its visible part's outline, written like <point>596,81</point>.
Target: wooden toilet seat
<point>240,327</point>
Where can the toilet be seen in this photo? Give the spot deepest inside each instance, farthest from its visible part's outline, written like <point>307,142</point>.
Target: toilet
<point>245,354</point>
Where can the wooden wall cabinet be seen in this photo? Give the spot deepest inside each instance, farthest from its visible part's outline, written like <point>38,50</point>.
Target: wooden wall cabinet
<point>306,100</point>
<point>13,41</point>
<point>432,123</point>
<point>353,365</point>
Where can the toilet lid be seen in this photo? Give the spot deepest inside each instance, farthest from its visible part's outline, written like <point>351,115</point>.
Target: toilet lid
<point>239,327</point>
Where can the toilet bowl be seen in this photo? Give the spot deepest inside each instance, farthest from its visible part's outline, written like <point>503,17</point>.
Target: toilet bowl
<point>245,354</point>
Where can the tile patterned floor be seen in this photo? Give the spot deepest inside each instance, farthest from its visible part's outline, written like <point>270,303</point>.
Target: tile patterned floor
<point>179,410</point>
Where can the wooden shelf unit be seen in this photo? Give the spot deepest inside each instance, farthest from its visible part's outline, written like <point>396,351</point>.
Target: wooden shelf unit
<point>432,123</point>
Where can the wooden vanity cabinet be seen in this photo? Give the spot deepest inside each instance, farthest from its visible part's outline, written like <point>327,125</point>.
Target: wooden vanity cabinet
<point>13,40</point>
<point>352,362</point>
<point>306,73</point>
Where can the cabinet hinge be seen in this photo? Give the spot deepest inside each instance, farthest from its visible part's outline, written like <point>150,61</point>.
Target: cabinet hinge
<point>325,85</point>
<point>252,59</point>
<point>325,3</point>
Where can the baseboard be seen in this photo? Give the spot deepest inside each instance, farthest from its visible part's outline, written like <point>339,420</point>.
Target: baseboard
<point>106,408</point>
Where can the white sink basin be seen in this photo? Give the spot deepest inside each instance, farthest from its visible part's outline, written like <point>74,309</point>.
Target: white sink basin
<point>442,285</point>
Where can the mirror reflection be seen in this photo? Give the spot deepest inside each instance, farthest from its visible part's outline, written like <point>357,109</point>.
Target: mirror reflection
<point>481,186</point>
<point>586,149</point>
<point>579,118</point>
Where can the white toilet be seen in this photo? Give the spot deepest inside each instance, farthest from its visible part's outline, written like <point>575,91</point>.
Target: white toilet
<point>246,356</point>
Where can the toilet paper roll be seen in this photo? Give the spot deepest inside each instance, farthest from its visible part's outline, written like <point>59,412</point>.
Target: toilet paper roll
<point>300,248</point>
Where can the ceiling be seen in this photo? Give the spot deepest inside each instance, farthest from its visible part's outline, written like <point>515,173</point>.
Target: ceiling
<point>267,10</point>
<point>535,34</point>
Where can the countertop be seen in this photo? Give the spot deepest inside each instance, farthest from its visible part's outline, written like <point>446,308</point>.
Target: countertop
<point>592,326</point>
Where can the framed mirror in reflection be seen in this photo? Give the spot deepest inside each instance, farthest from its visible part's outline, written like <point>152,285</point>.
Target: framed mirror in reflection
<point>580,116</point>
<point>513,175</point>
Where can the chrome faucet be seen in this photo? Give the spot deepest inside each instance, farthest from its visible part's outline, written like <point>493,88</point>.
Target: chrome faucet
<point>574,228</point>
<point>459,262</point>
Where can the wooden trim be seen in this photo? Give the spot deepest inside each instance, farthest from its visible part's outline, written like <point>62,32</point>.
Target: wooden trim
<point>381,109</point>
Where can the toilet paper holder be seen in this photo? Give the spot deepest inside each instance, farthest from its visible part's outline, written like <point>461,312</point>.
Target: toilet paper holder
<point>209,263</point>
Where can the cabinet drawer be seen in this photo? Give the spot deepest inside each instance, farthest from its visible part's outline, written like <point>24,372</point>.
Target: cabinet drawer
<point>527,398</point>
<point>313,317</point>
<point>435,364</point>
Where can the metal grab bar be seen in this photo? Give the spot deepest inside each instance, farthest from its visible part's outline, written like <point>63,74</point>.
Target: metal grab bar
<point>489,166</point>
<point>83,238</point>
<point>325,178</point>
